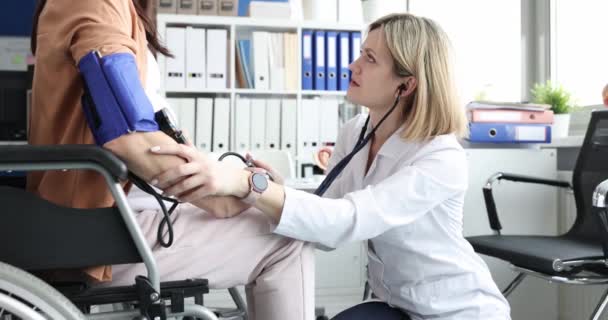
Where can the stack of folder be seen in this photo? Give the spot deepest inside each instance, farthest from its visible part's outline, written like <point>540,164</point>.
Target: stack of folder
<point>495,122</point>
<point>325,59</point>
<point>200,7</point>
<point>200,59</point>
<point>267,61</point>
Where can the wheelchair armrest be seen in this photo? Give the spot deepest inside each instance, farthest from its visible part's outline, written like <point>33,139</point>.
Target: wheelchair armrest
<point>89,157</point>
<point>489,197</point>
<point>45,155</point>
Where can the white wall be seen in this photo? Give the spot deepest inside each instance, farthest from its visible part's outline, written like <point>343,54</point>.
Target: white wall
<point>374,9</point>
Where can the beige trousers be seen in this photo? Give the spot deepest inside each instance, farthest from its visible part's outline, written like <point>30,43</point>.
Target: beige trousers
<point>278,272</point>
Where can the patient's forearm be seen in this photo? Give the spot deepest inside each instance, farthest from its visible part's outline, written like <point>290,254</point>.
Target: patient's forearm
<point>134,150</point>
<point>221,206</point>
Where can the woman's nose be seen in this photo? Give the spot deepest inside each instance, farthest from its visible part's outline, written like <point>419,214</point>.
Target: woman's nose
<point>354,66</point>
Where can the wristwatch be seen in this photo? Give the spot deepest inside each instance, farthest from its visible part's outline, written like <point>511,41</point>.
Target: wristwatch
<point>258,183</point>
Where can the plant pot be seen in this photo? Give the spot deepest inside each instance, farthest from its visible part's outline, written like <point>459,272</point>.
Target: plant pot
<point>560,126</point>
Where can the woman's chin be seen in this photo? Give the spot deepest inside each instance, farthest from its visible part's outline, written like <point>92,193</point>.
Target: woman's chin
<point>352,95</point>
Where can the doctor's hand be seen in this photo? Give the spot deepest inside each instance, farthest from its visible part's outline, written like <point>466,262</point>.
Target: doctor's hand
<point>276,176</point>
<point>200,176</point>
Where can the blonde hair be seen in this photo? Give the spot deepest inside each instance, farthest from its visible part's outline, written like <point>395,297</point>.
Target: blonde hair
<point>420,48</point>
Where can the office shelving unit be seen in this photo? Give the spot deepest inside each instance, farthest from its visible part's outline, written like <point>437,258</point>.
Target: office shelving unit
<point>239,26</point>
<point>336,289</point>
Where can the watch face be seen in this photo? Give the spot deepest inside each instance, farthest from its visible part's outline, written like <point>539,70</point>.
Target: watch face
<point>259,181</point>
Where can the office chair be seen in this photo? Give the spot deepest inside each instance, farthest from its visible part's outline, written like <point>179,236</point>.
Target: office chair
<point>38,235</point>
<point>579,256</point>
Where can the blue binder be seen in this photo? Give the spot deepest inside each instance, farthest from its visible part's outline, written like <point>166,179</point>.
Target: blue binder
<point>509,133</point>
<point>343,60</point>
<point>355,45</point>
<point>318,60</point>
<point>331,58</point>
<point>307,72</point>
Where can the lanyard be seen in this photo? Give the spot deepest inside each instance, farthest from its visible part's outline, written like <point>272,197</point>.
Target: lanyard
<point>363,140</point>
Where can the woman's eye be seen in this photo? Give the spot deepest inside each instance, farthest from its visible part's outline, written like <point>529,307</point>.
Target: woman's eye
<point>370,58</point>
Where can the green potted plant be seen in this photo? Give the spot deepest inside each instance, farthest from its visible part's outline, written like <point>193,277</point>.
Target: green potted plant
<point>561,103</point>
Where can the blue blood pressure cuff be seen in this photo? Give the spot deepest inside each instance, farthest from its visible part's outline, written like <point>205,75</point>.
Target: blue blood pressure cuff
<point>114,101</point>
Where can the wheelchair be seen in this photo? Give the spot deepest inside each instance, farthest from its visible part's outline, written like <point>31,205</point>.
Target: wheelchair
<point>38,235</point>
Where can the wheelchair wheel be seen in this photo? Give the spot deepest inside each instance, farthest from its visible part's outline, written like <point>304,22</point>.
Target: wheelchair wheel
<point>23,296</point>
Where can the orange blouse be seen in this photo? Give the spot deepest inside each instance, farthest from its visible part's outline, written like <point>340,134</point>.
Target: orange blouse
<point>68,30</point>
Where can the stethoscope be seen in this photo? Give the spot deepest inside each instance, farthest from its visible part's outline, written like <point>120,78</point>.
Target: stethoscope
<point>361,142</point>
<point>333,174</point>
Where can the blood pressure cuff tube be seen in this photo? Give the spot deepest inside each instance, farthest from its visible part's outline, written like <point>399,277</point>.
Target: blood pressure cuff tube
<point>114,102</point>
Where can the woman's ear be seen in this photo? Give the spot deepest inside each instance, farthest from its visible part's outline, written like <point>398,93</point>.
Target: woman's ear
<point>408,86</point>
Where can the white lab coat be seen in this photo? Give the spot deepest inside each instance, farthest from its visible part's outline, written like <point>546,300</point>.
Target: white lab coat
<point>410,206</point>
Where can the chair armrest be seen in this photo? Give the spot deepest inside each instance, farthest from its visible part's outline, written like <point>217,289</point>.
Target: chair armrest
<point>599,194</point>
<point>489,197</point>
<point>44,156</point>
<point>599,207</point>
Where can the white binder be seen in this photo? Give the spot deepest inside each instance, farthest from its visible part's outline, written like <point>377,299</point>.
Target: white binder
<point>309,124</point>
<point>195,58</point>
<point>321,10</point>
<point>204,123</point>
<point>273,124</point>
<point>277,61</point>
<point>174,106</point>
<point>188,116</point>
<point>242,126</point>
<point>290,60</point>
<point>217,53</point>
<point>258,123</point>
<point>328,121</point>
<point>350,12</point>
<point>175,68</point>
<point>221,125</point>
<point>261,60</point>
<point>288,125</point>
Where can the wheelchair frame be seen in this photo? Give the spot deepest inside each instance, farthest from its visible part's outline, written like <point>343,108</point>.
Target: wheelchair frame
<point>13,158</point>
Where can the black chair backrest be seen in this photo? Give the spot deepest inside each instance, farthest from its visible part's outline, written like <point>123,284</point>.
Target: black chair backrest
<point>36,234</point>
<point>591,168</point>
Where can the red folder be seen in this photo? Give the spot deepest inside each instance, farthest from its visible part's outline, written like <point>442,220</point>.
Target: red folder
<point>510,116</point>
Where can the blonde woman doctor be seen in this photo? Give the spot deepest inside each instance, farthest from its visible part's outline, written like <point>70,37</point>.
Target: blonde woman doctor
<point>403,191</point>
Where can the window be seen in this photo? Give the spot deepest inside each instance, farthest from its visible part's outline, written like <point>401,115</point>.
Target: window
<point>486,43</point>
<point>580,49</point>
